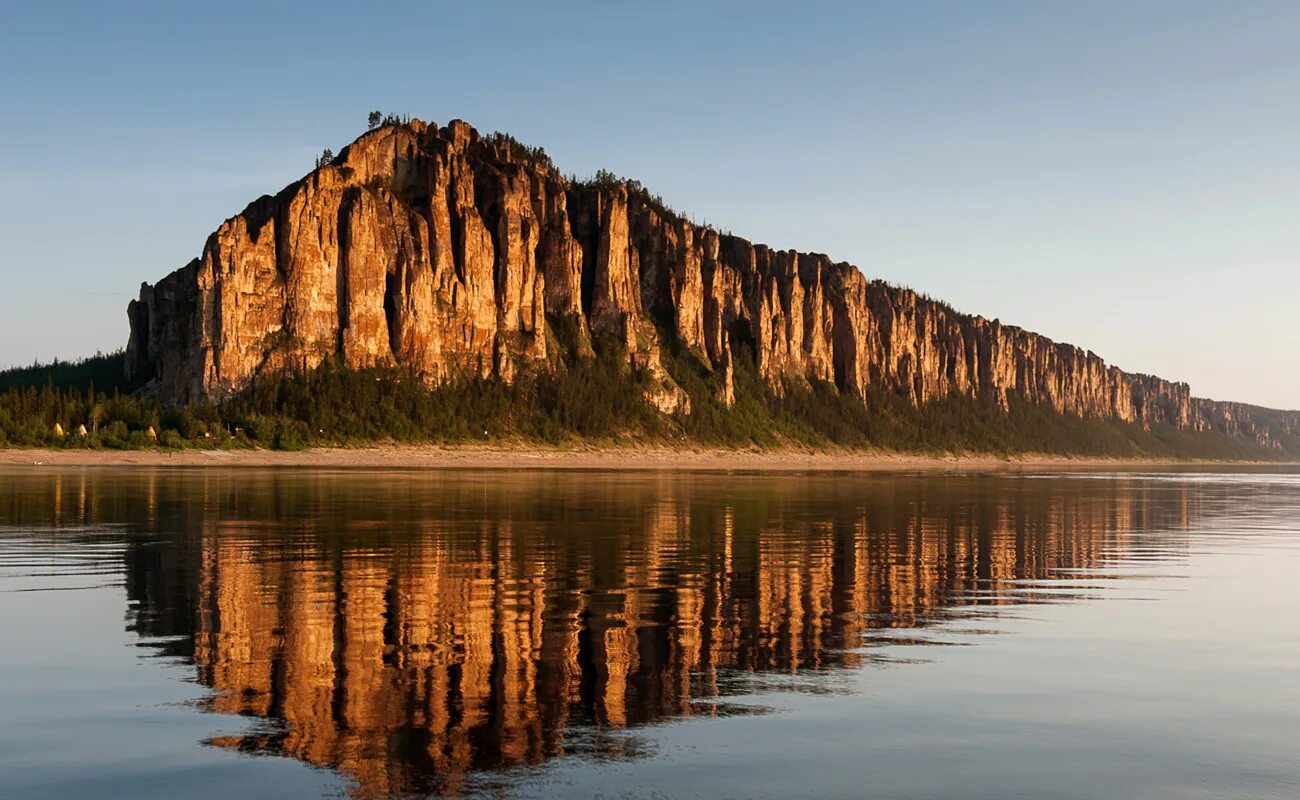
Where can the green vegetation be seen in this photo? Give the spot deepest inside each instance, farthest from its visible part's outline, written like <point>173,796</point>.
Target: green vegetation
<point>378,119</point>
<point>592,398</point>
<point>107,371</point>
<point>606,181</point>
<point>519,151</point>
<point>816,414</point>
<point>595,398</point>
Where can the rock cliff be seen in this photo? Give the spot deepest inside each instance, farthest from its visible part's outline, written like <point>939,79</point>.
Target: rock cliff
<point>448,252</point>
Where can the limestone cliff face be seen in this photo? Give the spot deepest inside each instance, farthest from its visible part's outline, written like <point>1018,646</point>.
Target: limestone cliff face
<point>445,251</point>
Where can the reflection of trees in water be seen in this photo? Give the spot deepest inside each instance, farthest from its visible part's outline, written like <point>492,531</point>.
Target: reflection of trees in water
<point>411,629</point>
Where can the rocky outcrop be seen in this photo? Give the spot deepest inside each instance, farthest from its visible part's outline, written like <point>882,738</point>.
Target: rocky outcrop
<point>450,253</point>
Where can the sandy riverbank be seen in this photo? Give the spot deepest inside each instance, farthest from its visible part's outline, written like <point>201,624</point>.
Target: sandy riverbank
<point>532,457</point>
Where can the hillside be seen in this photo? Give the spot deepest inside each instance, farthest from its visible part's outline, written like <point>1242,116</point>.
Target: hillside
<point>470,267</point>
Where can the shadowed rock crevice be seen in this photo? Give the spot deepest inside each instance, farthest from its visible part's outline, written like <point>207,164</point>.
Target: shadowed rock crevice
<point>392,287</point>
<point>341,274</point>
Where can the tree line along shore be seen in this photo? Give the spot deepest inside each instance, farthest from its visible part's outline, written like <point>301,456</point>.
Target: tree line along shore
<point>597,401</point>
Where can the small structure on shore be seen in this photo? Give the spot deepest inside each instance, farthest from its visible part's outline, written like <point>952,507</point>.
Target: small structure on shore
<point>58,430</point>
<point>81,430</point>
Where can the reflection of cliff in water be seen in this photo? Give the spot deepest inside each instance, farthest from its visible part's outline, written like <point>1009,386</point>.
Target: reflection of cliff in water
<point>409,630</point>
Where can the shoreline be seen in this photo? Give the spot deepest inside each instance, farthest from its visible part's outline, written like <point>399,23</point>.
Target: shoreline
<point>591,458</point>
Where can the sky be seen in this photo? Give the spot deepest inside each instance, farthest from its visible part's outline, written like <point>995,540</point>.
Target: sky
<point>1124,176</point>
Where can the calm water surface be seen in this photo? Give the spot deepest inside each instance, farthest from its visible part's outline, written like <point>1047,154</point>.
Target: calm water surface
<point>244,633</point>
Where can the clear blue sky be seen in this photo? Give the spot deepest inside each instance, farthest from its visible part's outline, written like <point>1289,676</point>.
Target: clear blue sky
<point>1120,175</point>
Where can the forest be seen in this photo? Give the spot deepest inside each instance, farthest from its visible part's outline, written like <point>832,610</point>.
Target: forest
<point>593,399</point>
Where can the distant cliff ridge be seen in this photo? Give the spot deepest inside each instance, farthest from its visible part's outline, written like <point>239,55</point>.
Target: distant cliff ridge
<point>446,252</point>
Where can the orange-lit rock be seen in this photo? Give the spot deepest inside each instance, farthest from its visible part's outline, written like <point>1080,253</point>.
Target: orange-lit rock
<point>444,251</point>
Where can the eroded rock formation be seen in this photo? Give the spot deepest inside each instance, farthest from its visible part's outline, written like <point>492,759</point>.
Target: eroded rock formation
<point>448,252</point>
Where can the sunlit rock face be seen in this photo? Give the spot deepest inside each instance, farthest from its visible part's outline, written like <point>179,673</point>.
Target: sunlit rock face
<point>444,251</point>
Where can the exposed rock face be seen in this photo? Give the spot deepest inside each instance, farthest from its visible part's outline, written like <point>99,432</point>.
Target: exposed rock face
<point>444,251</point>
